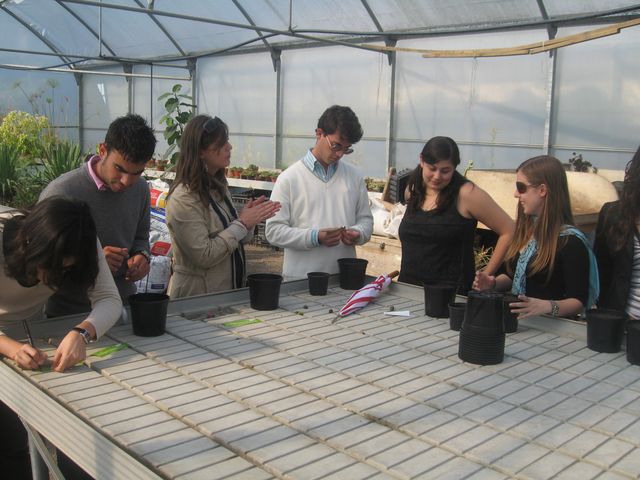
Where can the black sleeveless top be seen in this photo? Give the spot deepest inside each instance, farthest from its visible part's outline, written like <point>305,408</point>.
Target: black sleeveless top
<point>437,246</point>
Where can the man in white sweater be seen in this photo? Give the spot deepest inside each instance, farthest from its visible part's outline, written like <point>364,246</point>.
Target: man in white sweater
<point>325,207</point>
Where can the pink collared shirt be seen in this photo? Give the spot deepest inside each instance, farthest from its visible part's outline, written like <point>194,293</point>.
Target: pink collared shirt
<point>91,166</point>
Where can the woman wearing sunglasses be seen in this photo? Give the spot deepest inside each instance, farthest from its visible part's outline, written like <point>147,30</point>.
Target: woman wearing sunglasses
<point>443,209</point>
<point>549,264</point>
<point>206,231</point>
<point>617,246</point>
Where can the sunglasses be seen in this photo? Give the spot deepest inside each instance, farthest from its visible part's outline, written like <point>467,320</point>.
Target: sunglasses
<point>523,187</point>
<point>211,125</point>
<point>336,147</point>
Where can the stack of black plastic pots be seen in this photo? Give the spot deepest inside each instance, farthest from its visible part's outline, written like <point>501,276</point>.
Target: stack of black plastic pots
<point>509,318</point>
<point>482,334</point>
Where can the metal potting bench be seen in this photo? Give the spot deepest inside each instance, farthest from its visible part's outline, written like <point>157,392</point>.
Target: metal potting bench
<point>230,392</point>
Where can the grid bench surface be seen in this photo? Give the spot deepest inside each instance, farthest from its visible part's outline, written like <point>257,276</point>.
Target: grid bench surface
<point>291,395</point>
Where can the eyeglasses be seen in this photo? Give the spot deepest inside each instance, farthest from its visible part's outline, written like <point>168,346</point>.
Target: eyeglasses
<point>336,147</point>
<point>211,124</point>
<point>523,187</point>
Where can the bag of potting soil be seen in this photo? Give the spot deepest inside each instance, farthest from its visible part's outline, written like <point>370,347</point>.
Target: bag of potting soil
<point>157,280</point>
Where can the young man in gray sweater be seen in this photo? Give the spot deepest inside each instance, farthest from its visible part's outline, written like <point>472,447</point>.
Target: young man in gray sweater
<point>111,183</point>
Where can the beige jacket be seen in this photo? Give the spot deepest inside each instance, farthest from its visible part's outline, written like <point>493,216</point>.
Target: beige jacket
<point>202,247</point>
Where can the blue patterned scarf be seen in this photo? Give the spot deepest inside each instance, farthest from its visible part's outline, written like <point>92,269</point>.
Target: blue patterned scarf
<point>519,285</point>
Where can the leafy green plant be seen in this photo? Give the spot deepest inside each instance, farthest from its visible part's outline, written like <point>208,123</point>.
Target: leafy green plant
<point>374,185</point>
<point>250,172</point>
<point>265,175</point>
<point>9,168</point>
<point>467,168</point>
<point>59,158</point>
<point>27,190</point>
<point>179,108</point>
<point>578,164</point>
<point>23,131</point>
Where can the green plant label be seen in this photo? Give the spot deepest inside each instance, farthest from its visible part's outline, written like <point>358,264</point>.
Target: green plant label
<point>241,323</point>
<point>109,350</point>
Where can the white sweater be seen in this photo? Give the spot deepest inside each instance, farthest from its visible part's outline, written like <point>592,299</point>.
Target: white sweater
<point>308,203</point>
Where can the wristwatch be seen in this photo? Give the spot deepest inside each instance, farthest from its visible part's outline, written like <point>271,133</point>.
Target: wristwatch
<point>144,253</point>
<point>555,308</point>
<point>86,336</point>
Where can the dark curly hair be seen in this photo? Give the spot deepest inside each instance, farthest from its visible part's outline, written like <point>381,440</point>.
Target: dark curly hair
<point>629,207</point>
<point>56,231</point>
<point>437,149</point>
<point>342,119</point>
<point>132,137</point>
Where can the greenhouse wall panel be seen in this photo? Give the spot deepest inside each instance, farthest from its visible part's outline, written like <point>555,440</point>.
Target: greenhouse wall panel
<point>597,99</point>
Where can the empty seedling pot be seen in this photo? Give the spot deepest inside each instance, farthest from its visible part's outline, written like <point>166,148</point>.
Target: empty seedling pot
<point>264,290</point>
<point>352,272</point>
<point>148,313</point>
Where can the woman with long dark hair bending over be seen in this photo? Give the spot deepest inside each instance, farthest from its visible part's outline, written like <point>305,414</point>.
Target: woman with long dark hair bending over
<point>56,241</point>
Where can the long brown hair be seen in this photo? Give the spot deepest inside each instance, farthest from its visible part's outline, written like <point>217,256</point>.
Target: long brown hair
<point>437,149</point>
<point>620,230</point>
<point>556,211</point>
<point>201,132</point>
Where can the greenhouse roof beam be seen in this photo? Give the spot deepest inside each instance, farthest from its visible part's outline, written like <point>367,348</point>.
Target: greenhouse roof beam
<point>37,34</point>
<point>94,72</point>
<point>606,16</point>
<point>301,38</point>
<point>250,20</point>
<point>85,25</point>
<point>289,33</point>
<point>371,13</point>
<point>106,60</point>
<point>389,42</point>
<point>161,27</point>
<point>551,29</point>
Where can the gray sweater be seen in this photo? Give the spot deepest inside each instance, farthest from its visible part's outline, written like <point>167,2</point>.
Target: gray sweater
<point>122,220</point>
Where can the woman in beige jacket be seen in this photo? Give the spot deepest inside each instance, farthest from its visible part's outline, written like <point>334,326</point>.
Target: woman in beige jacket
<point>206,231</point>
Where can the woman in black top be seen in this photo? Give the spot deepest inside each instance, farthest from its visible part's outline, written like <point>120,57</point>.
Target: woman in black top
<point>443,209</point>
<point>617,246</point>
<point>549,263</point>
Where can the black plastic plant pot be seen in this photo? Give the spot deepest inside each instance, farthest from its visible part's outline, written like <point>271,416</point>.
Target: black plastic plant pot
<point>456,315</point>
<point>605,329</point>
<point>484,311</point>
<point>352,272</point>
<point>264,290</point>
<point>510,319</point>
<point>437,297</point>
<point>633,342</point>
<point>481,350</point>
<point>318,283</point>
<point>148,313</point>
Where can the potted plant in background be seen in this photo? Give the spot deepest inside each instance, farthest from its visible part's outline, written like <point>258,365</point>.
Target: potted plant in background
<point>59,157</point>
<point>9,166</point>
<point>374,185</point>
<point>234,172</point>
<point>264,175</point>
<point>251,172</point>
<point>179,109</point>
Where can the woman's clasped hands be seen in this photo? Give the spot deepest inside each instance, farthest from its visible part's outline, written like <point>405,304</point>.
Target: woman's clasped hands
<point>258,210</point>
